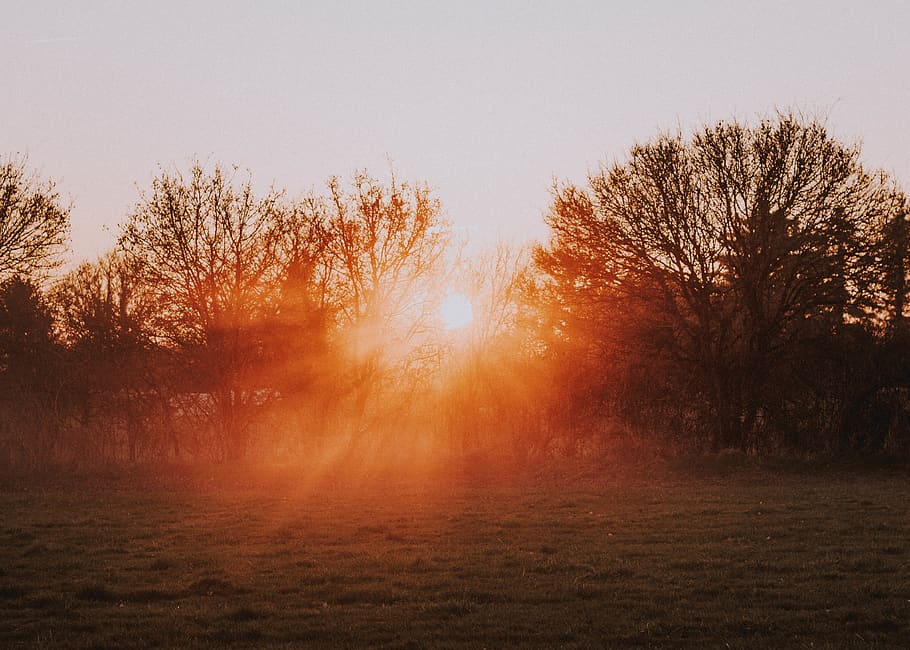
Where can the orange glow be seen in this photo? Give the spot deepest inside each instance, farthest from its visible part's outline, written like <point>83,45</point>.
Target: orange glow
<point>456,311</point>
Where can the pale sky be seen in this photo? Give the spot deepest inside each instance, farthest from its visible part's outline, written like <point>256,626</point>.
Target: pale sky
<point>485,101</point>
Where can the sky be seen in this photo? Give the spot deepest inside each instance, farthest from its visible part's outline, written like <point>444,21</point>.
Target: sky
<point>487,102</point>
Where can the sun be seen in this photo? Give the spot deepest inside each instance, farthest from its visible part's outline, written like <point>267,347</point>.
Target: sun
<point>456,311</point>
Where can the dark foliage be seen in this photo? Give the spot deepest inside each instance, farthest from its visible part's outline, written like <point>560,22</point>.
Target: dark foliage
<point>743,288</point>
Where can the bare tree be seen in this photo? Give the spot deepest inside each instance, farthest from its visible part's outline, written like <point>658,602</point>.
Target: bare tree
<point>386,244</point>
<point>105,312</point>
<point>209,248</point>
<point>888,263</point>
<point>300,346</point>
<point>742,240</point>
<point>34,226</point>
<point>106,303</point>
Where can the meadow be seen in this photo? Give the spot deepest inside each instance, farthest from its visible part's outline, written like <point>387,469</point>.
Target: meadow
<point>741,557</point>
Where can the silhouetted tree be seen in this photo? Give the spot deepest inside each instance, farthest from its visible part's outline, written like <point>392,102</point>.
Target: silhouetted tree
<point>106,314</point>
<point>34,226</point>
<point>742,242</point>
<point>889,262</point>
<point>209,248</point>
<point>106,304</point>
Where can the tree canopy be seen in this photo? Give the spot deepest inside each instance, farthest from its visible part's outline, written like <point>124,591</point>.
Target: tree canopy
<point>34,225</point>
<point>742,244</point>
<point>741,287</point>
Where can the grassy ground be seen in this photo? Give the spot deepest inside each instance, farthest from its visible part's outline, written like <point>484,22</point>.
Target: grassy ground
<point>765,559</point>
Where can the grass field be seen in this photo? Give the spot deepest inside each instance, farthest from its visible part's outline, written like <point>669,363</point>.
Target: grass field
<point>752,559</point>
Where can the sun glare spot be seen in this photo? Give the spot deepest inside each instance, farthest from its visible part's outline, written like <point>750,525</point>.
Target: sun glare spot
<point>456,312</point>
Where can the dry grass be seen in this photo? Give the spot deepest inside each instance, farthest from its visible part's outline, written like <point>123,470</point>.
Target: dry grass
<point>768,559</point>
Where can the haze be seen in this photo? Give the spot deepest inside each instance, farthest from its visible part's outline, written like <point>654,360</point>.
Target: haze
<point>487,102</point>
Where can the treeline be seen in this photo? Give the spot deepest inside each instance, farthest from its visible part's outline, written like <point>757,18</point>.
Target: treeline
<point>741,288</point>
